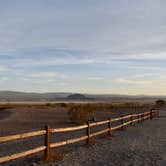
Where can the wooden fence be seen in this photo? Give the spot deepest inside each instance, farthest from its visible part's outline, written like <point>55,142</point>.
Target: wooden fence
<point>124,122</point>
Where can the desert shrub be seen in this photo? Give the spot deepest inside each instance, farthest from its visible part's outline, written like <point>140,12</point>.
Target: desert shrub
<point>133,107</point>
<point>3,107</point>
<point>80,113</point>
<point>48,104</point>
<point>64,105</point>
<point>160,103</point>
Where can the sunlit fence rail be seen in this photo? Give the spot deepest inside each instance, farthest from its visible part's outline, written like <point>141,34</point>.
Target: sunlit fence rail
<point>124,121</point>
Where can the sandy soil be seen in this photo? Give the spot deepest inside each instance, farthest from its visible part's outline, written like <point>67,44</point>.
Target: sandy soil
<point>31,118</point>
<point>140,145</point>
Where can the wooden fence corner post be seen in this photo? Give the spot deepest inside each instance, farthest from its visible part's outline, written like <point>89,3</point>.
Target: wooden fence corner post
<point>109,127</point>
<point>47,143</point>
<point>88,133</point>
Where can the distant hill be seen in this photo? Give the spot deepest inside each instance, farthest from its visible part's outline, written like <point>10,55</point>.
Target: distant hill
<point>24,96</point>
<point>77,97</point>
<point>6,96</point>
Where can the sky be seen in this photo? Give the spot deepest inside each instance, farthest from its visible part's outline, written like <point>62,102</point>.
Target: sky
<point>85,46</point>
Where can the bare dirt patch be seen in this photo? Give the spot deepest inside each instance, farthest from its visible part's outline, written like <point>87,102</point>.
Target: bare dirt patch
<point>4,114</point>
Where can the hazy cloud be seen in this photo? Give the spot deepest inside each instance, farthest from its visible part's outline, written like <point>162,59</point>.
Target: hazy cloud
<point>130,81</point>
<point>84,40</point>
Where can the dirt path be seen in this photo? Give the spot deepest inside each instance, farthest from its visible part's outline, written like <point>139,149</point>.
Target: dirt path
<point>142,144</point>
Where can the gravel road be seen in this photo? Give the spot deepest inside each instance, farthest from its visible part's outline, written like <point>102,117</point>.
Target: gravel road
<point>141,145</point>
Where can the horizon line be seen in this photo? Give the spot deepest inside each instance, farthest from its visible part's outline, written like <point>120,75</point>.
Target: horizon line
<point>115,94</point>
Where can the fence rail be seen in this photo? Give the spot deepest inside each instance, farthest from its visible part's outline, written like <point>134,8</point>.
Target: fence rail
<point>133,118</point>
<point>22,136</point>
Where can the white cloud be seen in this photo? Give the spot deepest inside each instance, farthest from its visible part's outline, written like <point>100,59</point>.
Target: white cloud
<point>132,81</point>
<point>4,69</point>
<point>95,78</point>
<point>145,56</point>
<point>3,78</point>
<point>43,76</point>
<point>109,26</point>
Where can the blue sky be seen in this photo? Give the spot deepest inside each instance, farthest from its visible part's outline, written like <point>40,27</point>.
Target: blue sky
<point>90,46</point>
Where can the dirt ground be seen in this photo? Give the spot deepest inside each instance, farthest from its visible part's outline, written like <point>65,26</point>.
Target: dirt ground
<point>17,120</point>
<point>30,118</point>
<point>140,145</point>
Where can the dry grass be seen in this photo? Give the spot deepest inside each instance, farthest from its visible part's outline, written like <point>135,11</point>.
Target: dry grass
<point>23,117</point>
<point>79,113</point>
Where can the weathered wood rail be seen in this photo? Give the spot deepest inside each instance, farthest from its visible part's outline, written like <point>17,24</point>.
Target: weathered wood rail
<point>132,118</point>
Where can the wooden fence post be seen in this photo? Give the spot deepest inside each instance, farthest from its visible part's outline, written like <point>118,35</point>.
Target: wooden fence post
<point>109,127</point>
<point>122,122</point>
<point>141,117</point>
<point>131,119</point>
<point>151,114</point>
<point>47,143</point>
<point>144,116</point>
<point>138,118</point>
<point>88,133</point>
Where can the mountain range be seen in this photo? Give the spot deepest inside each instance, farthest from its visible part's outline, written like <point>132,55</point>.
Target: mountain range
<point>57,96</point>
